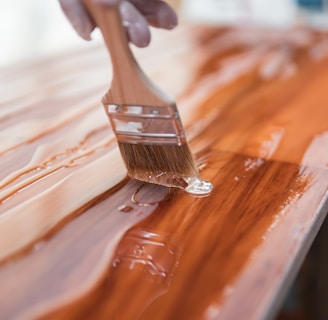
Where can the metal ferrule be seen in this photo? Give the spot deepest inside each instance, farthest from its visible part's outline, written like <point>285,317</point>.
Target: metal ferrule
<point>145,124</point>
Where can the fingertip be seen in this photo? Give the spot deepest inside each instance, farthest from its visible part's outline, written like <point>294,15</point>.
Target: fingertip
<point>86,36</point>
<point>84,30</point>
<point>78,17</point>
<point>166,17</point>
<point>139,35</point>
<point>158,13</point>
<point>138,31</point>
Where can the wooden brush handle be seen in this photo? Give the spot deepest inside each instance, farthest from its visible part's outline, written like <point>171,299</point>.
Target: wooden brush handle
<point>129,85</point>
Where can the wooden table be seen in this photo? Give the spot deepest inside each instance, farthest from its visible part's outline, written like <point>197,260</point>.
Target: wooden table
<point>79,240</point>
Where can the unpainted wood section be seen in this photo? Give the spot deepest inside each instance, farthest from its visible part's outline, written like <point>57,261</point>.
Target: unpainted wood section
<point>253,104</point>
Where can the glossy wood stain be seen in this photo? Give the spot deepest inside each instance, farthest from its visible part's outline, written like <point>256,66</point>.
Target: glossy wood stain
<point>78,238</point>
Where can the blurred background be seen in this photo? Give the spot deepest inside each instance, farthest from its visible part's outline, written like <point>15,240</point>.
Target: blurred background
<point>31,29</point>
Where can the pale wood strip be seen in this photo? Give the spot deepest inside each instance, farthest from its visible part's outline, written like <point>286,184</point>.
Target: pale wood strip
<point>44,210</point>
<point>78,142</point>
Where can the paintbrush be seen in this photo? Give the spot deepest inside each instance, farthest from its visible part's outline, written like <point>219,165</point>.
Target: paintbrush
<point>145,120</point>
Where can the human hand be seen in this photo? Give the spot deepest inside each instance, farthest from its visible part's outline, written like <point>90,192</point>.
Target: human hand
<point>137,16</point>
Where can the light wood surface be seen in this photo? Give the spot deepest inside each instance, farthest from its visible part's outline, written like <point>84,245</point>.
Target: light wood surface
<point>79,239</point>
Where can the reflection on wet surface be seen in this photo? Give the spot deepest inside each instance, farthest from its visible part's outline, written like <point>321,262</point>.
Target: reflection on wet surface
<point>149,252</point>
<point>151,258</point>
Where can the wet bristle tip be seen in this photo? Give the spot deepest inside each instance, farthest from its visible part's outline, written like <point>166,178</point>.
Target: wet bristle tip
<point>170,159</point>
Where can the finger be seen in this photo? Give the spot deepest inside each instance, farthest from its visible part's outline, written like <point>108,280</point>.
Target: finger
<point>157,12</point>
<point>78,17</point>
<point>135,24</point>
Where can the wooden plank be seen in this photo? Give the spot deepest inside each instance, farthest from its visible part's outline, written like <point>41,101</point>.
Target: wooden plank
<point>77,237</point>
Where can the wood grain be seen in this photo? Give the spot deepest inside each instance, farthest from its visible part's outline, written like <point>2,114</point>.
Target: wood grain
<point>78,238</point>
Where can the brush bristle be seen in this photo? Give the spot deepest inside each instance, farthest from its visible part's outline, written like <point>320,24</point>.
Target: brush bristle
<point>171,160</point>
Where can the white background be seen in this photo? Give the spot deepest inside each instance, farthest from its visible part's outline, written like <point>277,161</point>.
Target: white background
<point>30,29</point>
